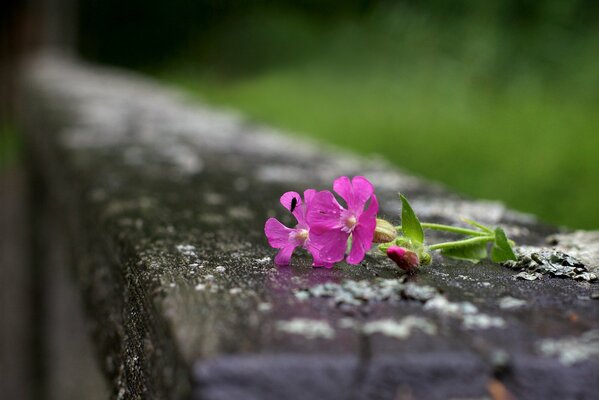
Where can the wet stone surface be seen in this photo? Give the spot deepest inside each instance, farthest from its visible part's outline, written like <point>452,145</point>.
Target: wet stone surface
<point>165,203</point>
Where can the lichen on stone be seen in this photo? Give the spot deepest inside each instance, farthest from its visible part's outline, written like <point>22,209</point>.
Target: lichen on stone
<point>572,350</point>
<point>464,311</point>
<point>399,329</point>
<point>533,261</point>
<point>309,328</point>
<point>356,293</point>
<point>510,303</point>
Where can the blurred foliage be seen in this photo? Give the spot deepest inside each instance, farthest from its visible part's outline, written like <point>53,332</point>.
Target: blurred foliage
<point>497,99</point>
<point>10,145</point>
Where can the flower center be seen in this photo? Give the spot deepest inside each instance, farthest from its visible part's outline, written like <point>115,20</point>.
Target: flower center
<point>301,234</point>
<point>350,222</point>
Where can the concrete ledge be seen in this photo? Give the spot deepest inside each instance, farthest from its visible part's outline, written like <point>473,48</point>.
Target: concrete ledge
<point>164,202</point>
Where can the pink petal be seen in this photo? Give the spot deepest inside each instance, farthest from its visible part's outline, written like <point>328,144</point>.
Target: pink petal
<point>308,196</point>
<point>286,201</point>
<point>355,193</point>
<point>363,233</point>
<point>372,210</point>
<point>277,233</point>
<point>324,212</point>
<point>342,186</point>
<point>284,255</point>
<point>302,217</point>
<point>332,244</point>
<point>361,243</point>
<point>363,189</point>
<point>316,256</point>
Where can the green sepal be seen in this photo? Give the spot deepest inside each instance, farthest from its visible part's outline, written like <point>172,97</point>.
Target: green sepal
<point>383,247</point>
<point>502,250</point>
<point>403,241</point>
<point>410,225</point>
<point>471,252</point>
<point>400,241</point>
<point>425,258</point>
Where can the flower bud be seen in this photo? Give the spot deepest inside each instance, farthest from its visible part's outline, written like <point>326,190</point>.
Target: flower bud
<point>384,231</point>
<point>404,258</point>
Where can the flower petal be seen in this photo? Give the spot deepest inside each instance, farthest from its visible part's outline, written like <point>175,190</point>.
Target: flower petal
<point>342,186</point>
<point>361,243</point>
<point>284,255</point>
<point>363,233</point>
<point>371,212</point>
<point>362,189</point>
<point>332,244</point>
<point>355,193</point>
<point>277,233</point>
<point>308,196</point>
<point>287,202</point>
<point>324,212</point>
<point>315,251</point>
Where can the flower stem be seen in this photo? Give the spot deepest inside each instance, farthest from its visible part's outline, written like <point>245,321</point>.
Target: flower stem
<point>461,243</point>
<point>448,228</point>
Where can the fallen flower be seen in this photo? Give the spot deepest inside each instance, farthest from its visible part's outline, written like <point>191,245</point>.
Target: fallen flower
<point>332,225</point>
<point>288,239</point>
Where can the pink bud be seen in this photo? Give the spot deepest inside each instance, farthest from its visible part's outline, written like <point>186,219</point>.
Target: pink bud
<point>404,258</point>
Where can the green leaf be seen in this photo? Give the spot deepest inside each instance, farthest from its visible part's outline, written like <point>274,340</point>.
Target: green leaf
<point>471,252</point>
<point>410,225</point>
<point>502,251</point>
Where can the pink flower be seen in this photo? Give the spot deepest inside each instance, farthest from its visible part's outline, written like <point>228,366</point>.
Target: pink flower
<point>287,239</point>
<point>331,224</point>
<point>404,258</point>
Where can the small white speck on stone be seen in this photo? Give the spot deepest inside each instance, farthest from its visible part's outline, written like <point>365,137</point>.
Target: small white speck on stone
<point>485,284</point>
<point>482,321</point>
<point>193,265</point>
<point>263,260</point>
<point>310,328</point>
<point>172,284</point>
<point>510,303</point>
<point>200,287</point>
<point>220,269</point>
<point>399,329</point>
<point>187,249</point>
<point>234,291</point>
<point>209,278</point>
<point>264,307</point>
<point>528,276</point>
<point>302,295</point>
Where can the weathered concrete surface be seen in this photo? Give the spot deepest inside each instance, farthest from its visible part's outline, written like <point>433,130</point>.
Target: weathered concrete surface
<point>165,202</point>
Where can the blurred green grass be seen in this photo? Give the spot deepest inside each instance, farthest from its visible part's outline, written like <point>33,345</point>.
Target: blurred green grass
<point>489,112</point>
